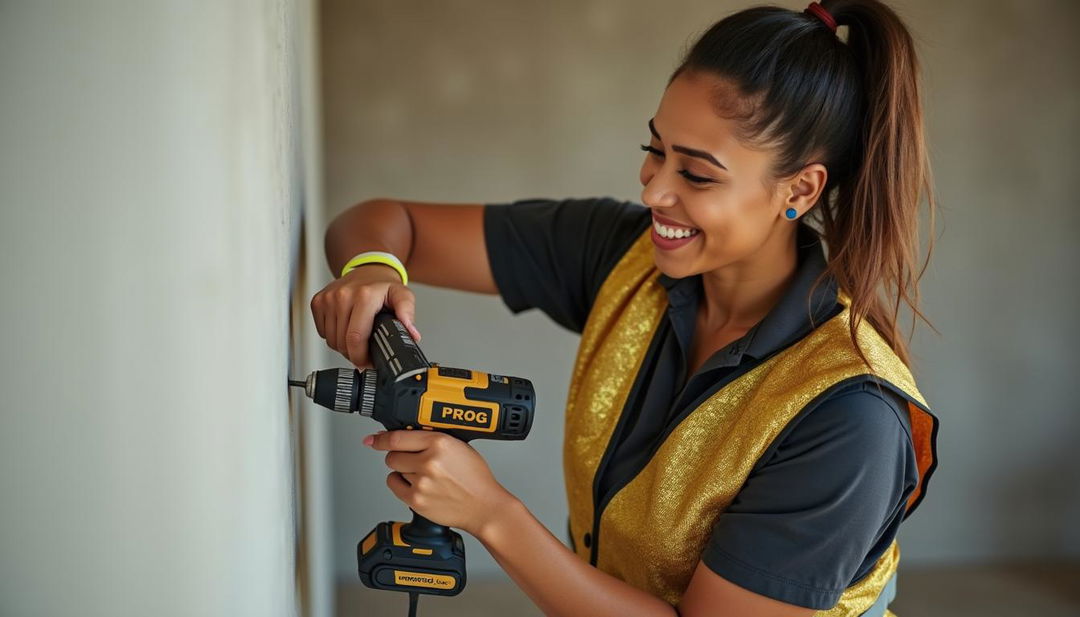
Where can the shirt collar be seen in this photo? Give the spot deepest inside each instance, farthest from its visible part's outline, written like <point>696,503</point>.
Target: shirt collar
<point>788,321</point>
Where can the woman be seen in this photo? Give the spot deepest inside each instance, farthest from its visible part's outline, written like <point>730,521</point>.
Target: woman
<point>743,434</point>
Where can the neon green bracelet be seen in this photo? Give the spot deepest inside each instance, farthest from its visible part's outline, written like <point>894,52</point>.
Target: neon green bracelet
<point>378,257</point>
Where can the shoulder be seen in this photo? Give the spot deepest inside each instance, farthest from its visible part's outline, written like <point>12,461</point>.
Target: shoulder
<point>823,502</point>
<point>866,406</point>
<point>853,423</point>
<point>582,234</point>
<point>553,254</point>
<point>575,213</point>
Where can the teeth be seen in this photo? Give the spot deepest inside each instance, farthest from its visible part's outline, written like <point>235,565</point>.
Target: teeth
<point>674,232</point>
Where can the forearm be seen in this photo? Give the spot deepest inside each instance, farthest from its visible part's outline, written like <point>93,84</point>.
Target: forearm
<point>558,581</point>
<point>374,225</point>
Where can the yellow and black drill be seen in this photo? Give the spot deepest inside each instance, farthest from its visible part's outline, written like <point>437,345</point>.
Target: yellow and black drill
<point>405,391</point>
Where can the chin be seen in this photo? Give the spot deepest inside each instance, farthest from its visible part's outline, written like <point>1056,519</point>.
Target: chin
<point>674,268</point>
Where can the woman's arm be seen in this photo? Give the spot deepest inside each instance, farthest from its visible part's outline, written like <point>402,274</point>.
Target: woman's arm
<point>563,585</point>
<point>556,579</point>
<point>449,482</point>
<point>441,244</point>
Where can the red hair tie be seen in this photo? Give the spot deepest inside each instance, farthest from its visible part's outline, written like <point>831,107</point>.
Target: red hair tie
<point>819,11</point>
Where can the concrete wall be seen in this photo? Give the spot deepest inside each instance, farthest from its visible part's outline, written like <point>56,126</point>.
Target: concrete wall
<point>152,207</point>
<point>491,101</point>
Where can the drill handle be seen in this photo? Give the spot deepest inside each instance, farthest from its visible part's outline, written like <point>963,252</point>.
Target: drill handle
<point>393,351</point>
<point>425,531</point>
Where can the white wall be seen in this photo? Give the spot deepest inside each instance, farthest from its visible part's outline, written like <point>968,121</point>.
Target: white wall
<point>152,193</point>
<point>491,101</point>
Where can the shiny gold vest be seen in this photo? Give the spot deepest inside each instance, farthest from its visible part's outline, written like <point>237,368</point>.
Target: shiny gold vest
<point>652,532</point>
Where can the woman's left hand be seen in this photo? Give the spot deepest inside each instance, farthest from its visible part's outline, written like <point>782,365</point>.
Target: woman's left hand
<point>441,478</point>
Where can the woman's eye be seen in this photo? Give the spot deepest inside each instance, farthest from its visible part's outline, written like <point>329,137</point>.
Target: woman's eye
<point>689,176</point>
<point>652,150</point>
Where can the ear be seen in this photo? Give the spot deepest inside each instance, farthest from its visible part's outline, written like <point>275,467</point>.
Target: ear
<point>803,189</point>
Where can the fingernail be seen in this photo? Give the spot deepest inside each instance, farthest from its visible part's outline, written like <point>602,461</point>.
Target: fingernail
<point>370,439</point>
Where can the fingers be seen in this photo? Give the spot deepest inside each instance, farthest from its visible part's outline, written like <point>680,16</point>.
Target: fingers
<point>403,301</point>
<point>409,441</point>
<point>408,463</point>
<point>330,327</point>
<point>399,486</point>
<point>317,316</point>
<point>357,334</point>
<point>344,311</point>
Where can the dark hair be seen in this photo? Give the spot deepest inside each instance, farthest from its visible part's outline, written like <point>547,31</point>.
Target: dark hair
<point>794,85</point>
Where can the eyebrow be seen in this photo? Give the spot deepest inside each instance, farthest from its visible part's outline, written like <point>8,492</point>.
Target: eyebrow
<point>701,154</point>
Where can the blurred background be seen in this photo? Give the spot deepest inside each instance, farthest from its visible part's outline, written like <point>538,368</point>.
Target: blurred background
<point>167,170</point>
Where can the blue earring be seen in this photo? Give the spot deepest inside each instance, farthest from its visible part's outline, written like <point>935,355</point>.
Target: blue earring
<point>791,213</point>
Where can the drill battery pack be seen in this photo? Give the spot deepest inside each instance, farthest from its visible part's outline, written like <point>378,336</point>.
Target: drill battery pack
<point>430,561</point>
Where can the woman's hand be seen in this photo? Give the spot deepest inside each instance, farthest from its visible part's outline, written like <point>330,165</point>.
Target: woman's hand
<point>441,478</point>
<point>344,310</point>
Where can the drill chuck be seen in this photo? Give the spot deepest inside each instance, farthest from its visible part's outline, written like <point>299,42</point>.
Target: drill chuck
<point>343,389</point>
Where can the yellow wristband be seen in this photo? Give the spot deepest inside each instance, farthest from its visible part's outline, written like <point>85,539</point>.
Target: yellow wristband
<point>378,257</point>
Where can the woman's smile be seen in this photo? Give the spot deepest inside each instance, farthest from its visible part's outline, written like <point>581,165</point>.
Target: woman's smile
<point>669,234</point>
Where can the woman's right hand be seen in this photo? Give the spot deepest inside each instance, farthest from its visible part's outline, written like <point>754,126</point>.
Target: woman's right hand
<point>345,310</point>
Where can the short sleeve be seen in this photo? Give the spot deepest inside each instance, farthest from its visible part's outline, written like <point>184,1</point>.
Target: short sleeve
<point>826,503</point>
<point>553,254</point>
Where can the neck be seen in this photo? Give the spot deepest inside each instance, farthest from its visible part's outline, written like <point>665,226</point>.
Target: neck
<point>740,294</point>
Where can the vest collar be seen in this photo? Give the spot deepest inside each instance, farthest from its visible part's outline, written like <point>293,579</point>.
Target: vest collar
<point>787,322</point>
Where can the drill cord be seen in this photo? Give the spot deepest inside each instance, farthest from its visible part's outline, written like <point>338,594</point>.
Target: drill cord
<point>413,599</point>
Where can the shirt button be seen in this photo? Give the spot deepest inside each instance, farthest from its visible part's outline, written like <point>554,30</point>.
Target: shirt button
<point>588,540</point>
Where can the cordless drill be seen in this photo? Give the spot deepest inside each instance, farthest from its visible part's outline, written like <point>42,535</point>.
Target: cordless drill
<point>405,391</point>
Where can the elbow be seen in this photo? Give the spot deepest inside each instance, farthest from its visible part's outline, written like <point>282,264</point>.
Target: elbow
<point>344,219</point>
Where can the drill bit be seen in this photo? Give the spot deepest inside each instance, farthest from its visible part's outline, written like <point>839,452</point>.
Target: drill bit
<point>297,383</point>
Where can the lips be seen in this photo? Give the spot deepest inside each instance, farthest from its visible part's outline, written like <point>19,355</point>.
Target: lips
<point>671,222</point>
<point>670,244</point>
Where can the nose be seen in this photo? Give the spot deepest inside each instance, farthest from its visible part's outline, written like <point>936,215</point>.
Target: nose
<point>655,195</point>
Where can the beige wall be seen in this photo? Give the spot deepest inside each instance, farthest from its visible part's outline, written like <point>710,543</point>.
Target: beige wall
<point>489,101</point>
<point>156,167</point>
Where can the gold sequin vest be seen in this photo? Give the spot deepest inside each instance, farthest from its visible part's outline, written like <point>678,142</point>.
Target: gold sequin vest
<point>652,531</point>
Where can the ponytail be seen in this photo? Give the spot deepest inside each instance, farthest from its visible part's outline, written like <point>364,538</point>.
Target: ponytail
<point>872,227</point>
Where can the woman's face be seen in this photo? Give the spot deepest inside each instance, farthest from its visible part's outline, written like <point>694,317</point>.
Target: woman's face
<point>725,203</point>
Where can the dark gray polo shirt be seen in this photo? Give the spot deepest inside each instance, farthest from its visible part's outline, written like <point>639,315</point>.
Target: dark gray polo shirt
<point>825,499</point>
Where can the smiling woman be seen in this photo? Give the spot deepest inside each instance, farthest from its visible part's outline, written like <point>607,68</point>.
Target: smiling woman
<point>744,434</point>
<point>735,162</point>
